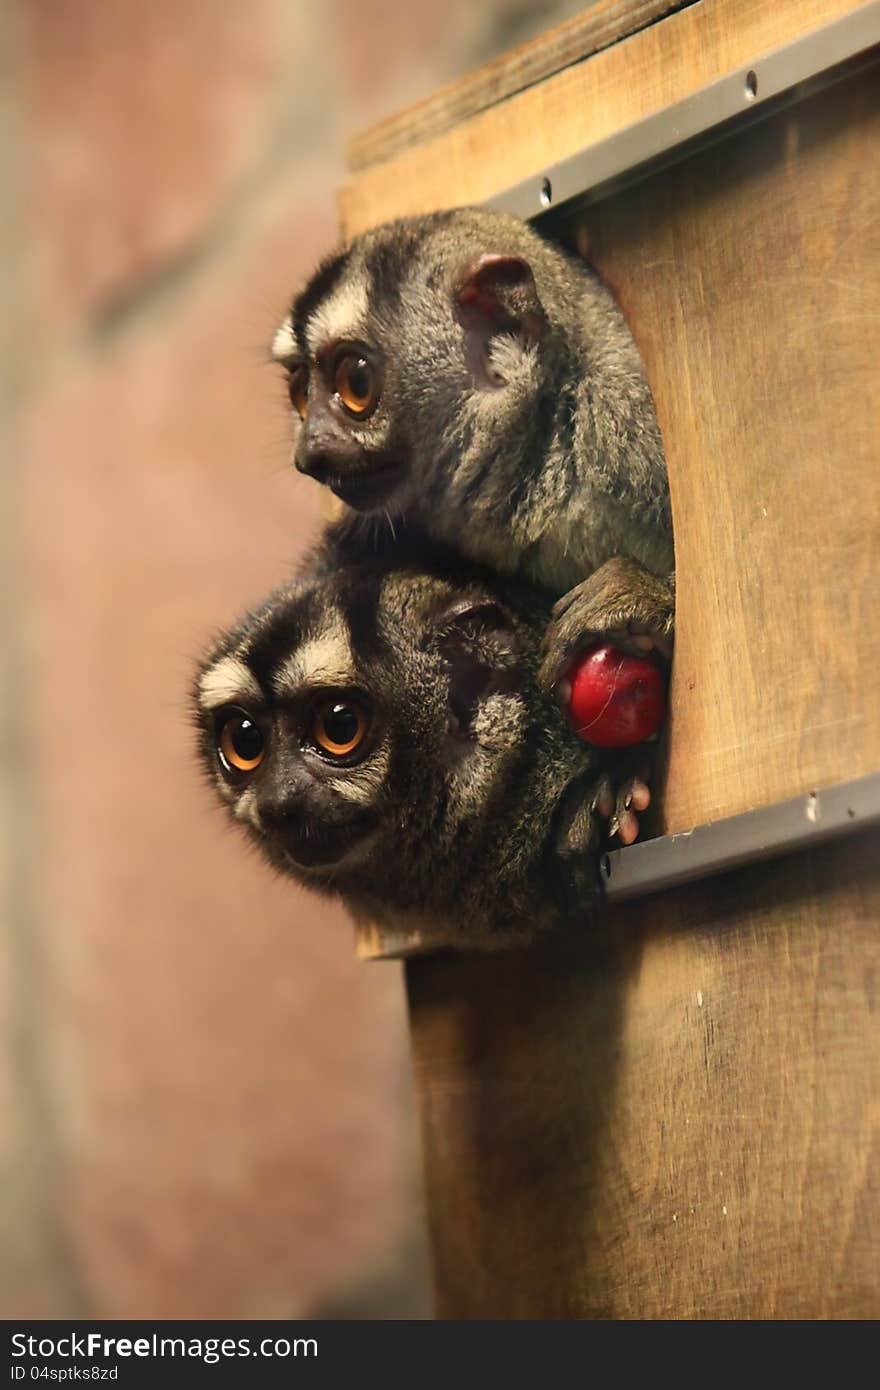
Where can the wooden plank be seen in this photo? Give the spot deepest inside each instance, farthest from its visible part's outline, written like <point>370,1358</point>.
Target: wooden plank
<point>749,277</point>
<point>597,27</point>
<point>676,1117</point>
<point>586,102</point>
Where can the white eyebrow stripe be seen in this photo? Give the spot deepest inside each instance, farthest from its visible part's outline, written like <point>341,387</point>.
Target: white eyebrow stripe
<point>343,315</point>
<point>323,660</point>
<point>225,682</point>
<point>284,342</point>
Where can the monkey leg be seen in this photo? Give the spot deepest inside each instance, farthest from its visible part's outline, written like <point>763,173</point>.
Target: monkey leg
<point>620,603</point>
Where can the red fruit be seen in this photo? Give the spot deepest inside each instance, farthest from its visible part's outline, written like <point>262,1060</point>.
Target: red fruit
<point>615,699</point>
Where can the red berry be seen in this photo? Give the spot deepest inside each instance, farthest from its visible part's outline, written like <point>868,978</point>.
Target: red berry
<point>616,699</point>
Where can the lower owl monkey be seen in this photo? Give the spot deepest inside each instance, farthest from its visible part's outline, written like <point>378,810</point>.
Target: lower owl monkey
<point>462,372</point>
<point>378,730</point>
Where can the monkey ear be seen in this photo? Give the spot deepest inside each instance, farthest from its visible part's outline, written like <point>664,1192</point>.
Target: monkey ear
<point>479,644</point>
<point>480,624</point>
<point>497,294</point>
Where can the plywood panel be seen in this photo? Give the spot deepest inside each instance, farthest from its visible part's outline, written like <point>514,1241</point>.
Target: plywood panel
<point>523,135</point>
<point>749,276</point>
<point>676,1117</point>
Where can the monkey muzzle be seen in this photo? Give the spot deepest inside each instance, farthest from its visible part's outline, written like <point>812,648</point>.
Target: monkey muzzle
<point>368,491</point>
<point>308,843</point>
<point>364,490</point>
<point>361,481</point>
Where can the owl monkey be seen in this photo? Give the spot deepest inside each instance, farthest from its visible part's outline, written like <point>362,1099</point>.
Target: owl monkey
<point>377,729</point>
<point>460,371</point>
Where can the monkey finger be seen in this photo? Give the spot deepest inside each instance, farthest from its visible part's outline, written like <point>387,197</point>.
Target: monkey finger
<point>551,672</point>
<point>640,795</point>
<point>659,642</point>
<point>633,796</point>
<point>567,636</point>
<point>628,828</point>
<point>603,801</point>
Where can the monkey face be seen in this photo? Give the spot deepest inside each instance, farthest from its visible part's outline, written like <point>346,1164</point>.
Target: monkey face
<point>289,768</point>
<point>413,362</point>
<point>343,380</point>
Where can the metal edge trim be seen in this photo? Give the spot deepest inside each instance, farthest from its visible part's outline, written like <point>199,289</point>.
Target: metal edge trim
<point>746,94</point>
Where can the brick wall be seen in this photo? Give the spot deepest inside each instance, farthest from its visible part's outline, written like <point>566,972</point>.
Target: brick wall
<point>204,1099</point>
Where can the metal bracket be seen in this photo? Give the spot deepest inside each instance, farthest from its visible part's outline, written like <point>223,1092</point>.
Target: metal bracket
<point>745,95</point>
<point>801,822</point>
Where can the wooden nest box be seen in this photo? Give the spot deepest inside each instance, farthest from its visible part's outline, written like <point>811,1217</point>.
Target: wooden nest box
<point>679,1116</point>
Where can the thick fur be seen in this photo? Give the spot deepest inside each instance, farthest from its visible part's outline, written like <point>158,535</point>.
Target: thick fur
<point>540,456</point>
<point>472,802</point>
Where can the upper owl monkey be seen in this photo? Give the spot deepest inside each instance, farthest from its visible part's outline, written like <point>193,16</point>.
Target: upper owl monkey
<point>459,370</point>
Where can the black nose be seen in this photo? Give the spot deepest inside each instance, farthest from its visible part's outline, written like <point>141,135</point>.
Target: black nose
<point>280,799</point>
<point>314,466</point>
<point>278,812</point>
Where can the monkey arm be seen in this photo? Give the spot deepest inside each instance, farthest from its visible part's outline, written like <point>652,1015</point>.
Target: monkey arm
<point>621,603</point>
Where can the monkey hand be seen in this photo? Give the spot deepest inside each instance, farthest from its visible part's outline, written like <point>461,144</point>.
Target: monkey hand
<point>597,809</point>
<point>620,603</point>
<point>622,794</point>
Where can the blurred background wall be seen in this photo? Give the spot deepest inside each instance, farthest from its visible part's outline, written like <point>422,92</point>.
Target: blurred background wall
<point>204,1099</point>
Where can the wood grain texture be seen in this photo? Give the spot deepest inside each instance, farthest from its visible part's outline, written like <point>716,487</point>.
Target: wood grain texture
<point>749,276</point>
<point>676,1117</point>
<point>598,26</point>
<point>586,102</point>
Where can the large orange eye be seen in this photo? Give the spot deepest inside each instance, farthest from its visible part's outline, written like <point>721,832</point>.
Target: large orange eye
<point>298,386</point>
<point>242,745</point>
<point>338,726</point>
<point>356,383</point>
